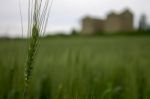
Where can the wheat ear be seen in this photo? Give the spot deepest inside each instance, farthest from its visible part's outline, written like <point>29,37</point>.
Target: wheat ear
<point>38,13</point>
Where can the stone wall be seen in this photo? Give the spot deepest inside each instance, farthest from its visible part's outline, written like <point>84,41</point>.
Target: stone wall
<point>91,25</point>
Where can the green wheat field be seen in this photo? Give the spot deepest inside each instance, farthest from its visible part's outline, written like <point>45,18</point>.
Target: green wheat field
<point>78,68</point>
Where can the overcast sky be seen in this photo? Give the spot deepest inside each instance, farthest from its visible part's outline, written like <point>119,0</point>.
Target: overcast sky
<point>66,14</point>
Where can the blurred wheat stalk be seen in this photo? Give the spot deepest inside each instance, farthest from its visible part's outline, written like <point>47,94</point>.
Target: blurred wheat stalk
<point>38,14</point>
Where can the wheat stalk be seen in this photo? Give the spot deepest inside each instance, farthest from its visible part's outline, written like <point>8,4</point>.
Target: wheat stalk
<point>38,13</point>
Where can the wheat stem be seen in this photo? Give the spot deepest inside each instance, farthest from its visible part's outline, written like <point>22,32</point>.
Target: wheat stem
<point>37,22</point>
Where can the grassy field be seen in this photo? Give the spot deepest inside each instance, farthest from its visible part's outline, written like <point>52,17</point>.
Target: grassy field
<point>78,68</point>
